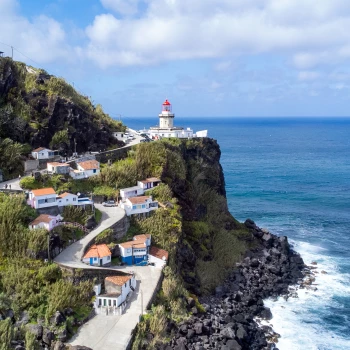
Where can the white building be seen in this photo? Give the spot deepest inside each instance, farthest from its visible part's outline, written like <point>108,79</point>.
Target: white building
<point>47,197</point>
<point>42,198</point>
<point>89,167</point>
<point>166,126</point>
<point>98,255</point>
<point>138,205</point>
<point>135,252</point>
<point>44,153</point>
<point>148,183</point>
<point>131,192</point>
<point>157,256</point>
<point>58,168</point>
<point>117,289</point>
<point>45,221</point>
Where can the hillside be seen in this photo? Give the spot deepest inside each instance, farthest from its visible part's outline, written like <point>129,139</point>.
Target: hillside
<point>39,109</point>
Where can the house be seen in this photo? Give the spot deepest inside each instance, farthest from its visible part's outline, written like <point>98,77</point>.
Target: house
<point>98,255</point>
<point>140,188</point>
<point>131,192</point>
<point>45,221</point>
<point>89,167</point>
<point>47,197</point>
<point>135,252</point>
<point>58,168</point>
<point>42,198</point>
<point>148,183</point>
<point>157,256</point>
<point>139,205</point>
<point>117,289</point>
<point>44,153</point>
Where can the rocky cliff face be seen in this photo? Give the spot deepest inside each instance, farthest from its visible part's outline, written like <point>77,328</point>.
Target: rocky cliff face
<point>34,106</point>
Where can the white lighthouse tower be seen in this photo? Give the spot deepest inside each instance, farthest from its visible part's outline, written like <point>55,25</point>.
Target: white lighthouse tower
<point>166,117</point>
<point>166,126</point>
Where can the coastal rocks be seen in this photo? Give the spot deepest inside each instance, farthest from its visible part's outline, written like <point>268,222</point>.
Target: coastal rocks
<point>232,314</point>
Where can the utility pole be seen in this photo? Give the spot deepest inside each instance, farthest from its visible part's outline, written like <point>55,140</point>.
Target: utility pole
<point>12,52</point>
<point>141,302</point>
<point>75,147</point>
<point>48,247</point>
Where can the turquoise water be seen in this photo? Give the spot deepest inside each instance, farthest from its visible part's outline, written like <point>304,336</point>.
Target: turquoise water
<point>292,176</point>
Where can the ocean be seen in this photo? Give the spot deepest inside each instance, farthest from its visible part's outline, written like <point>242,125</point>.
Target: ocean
<point>292,176</point>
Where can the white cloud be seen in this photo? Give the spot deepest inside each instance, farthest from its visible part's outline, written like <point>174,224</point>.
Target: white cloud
<point>43,39</point>
<point>180,29</point>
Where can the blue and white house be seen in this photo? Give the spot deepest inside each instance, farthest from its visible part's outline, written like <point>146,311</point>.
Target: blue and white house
<point>135,252</point>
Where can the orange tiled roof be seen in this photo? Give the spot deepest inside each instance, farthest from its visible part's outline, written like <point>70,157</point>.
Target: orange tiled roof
<point>142,238</point>
<point>43,191</point>
<point>134,244</point>
<point>39,149</point>
<point>139,200</point>
<point>97,251</point>
<point>89,164</point>
<point>65,194</point>
<point>159,253</point>
<point>42,218</point>
<point>118,280</point>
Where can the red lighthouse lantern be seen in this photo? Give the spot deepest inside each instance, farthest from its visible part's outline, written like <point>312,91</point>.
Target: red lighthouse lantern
<point>166,106</point>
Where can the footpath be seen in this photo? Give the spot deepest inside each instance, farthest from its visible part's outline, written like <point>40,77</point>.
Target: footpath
<point>105,332</point>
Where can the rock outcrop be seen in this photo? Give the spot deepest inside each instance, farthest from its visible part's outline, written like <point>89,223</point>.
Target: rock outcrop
<point>39,105</point>
<point>230,320</point>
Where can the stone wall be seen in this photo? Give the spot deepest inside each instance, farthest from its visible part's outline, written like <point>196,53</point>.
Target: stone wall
<point>113,155</point>
<point>120,229</point>
<point>97,274</point>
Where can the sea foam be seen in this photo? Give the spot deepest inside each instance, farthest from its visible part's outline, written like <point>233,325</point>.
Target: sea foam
<point>301,321</point>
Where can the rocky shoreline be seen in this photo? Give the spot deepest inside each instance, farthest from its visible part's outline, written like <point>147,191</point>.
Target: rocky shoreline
<point>232,317</point>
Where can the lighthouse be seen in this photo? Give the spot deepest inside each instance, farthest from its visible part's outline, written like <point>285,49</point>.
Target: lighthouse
<point>166,117</point>
<point>166,126</point>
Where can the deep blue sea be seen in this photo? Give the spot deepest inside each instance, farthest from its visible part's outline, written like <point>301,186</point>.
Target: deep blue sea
<point>292,176</point>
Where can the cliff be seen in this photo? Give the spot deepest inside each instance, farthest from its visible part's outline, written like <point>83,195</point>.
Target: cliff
<point>36,106</point>
<point>220,270</point>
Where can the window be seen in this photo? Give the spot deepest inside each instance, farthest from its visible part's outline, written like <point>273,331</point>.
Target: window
<point>128,250</point>
<point>109,302</point>
<point>67,200</point>
<point>114,303</point>
<point>74,199</point>
<point>125,285</point>
<point>108,258</point>
<point>143,206</point>
<point>94,171</point>
<point>95,259</point>
<point>134,207</point>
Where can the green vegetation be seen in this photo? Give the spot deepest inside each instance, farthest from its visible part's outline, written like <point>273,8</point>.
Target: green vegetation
<point>10,157</point>
<point>98,216</point>
<point>61,137</point>
<point>31,107</point>
<point>27,284</point>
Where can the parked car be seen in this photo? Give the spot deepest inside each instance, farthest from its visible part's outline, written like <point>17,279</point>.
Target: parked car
<point>144,140</point>
<point>109,203</point>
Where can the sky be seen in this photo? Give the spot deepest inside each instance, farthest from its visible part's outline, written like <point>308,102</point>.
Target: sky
<point>208,57</point>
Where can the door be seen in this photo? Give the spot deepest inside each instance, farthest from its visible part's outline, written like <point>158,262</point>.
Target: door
<point>100,262</point>
<point>91,261</point>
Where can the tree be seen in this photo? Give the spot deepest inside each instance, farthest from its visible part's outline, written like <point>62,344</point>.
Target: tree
<point>6,333</point>
<point>60,139</point>
<point>10,157</point>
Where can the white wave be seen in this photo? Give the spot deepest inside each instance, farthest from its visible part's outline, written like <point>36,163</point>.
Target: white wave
<point>299,320</point>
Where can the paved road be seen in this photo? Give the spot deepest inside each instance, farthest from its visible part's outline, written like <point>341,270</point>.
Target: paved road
<point>113,332</point>
<point>72,255</point>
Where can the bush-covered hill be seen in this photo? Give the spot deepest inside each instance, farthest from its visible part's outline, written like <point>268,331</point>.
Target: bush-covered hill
<point>41,110</point>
